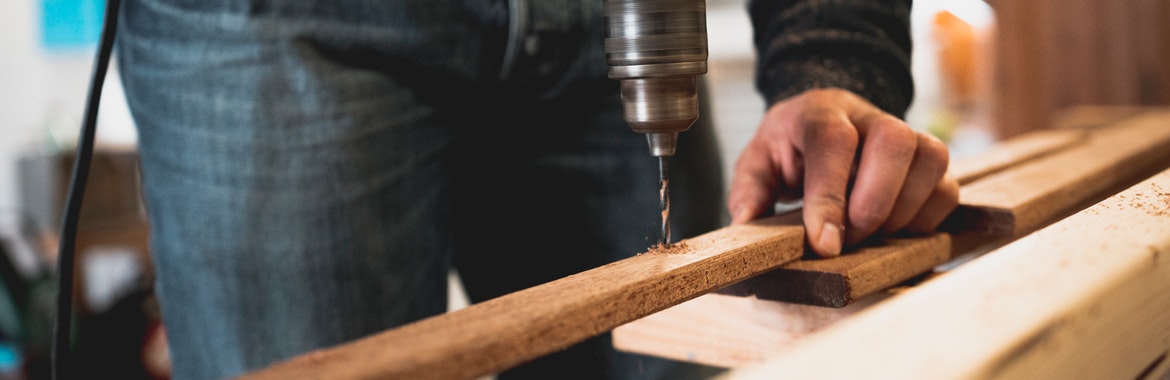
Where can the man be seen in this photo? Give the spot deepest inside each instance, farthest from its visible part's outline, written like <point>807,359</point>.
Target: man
<point>313,169</point>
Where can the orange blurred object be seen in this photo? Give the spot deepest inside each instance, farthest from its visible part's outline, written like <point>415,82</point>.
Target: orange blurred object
<point>957,57</point>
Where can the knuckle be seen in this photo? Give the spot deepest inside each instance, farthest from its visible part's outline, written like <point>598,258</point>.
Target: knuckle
<point>933,151</point>
<point>948,191</point>
<point>829,129</point>
<point>895,138</point>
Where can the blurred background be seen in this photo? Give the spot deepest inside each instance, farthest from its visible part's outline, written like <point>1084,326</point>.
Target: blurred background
<point>984,71</point>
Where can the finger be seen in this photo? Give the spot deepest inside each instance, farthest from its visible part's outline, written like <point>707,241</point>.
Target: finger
<point>826,176</point>
<point>888,148</point>
<point>938,206</point>
<point>753,185</point>
<point>768,168</point>
<point>928,167</point>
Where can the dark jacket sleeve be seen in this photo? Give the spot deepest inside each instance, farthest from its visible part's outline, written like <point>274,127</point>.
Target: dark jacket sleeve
<point>858,45</point>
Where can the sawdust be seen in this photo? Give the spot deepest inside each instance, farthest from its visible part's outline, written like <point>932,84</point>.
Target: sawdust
<point>670,249</point>
<point>1162,197</point>
<point>1156,204</point>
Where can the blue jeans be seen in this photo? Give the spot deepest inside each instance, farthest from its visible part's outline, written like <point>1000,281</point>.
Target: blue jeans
<point>313,169</point>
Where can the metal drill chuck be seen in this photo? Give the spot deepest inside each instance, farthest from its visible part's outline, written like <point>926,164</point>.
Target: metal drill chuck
<point>657,49</point>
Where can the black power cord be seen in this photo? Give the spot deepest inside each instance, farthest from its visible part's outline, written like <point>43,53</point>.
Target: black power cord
<point>62,326</point>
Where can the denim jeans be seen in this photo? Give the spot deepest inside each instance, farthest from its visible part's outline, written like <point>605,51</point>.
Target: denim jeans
<point>313,169</point>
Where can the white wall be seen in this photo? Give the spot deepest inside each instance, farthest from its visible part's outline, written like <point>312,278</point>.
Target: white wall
<point>42,95</point>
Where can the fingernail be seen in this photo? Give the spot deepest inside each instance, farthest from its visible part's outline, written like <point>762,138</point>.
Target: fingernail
<point>830,240</point>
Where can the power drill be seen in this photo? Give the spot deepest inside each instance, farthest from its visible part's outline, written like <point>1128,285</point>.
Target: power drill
<point>657,49</point>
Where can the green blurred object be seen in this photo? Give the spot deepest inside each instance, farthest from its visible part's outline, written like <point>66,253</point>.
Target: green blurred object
<point>942,124</point>
<point>27,303</point>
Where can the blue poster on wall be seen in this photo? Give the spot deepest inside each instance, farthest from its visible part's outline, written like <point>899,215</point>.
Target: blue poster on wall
<point>70,24</point>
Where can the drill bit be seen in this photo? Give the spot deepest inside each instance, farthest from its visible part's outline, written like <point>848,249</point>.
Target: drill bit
<point>664,198</point>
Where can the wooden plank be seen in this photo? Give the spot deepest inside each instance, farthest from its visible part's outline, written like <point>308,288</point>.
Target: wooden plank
<point>839,281</point>
<point>1087,297</point>
<point>1014,151</point>
<point>498,334</point>
<point>1093,116</point>
<point>734,327</point>
<point>729,331</point>
<point>1020,200</point>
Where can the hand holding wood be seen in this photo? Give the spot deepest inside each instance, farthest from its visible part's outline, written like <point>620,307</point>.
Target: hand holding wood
<point>859,170</point>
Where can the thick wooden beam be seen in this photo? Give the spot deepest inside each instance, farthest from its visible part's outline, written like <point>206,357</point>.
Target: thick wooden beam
<point>498,334</point>
<point>1087,297</point>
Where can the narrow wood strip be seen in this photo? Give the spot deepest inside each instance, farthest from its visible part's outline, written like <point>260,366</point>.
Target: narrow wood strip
<point>1086,297</point>
<point>498,334</point>
<point>1093,116</point>
<point>1014,151</point>
<point>839,281</point>
<point>1020,200</point>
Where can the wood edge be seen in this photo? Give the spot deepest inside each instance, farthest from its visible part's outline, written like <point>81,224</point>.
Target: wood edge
<point>791,286</point>
<point>1089,116</point>
<point>1020,149</point>
<point>840,281</point>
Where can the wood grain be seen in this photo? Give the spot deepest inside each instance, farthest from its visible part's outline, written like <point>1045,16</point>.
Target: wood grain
<point>498,334</point>
<point>1086,297</point>
<point>729,331</point>
<point>1020,200</point>
<point>838,281</point>
<point>1014,151</point>
<point>1092,116</point>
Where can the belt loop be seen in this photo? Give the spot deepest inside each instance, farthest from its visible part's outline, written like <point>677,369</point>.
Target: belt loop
<point>517,27</point>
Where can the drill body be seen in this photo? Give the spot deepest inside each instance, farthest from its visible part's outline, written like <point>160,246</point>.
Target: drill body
<point>657,49</point>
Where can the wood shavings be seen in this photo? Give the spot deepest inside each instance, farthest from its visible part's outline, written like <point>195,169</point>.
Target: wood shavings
<point>1156,204</point>
<point>675,248</point>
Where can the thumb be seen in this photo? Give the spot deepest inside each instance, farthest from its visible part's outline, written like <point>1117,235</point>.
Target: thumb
<point>824,216</point>
<point>829,149</point>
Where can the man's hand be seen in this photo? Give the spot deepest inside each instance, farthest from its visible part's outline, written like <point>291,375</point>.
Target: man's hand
<point>859,169</point>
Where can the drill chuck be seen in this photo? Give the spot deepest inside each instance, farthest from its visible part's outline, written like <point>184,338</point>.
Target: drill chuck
<point>657,49</point>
